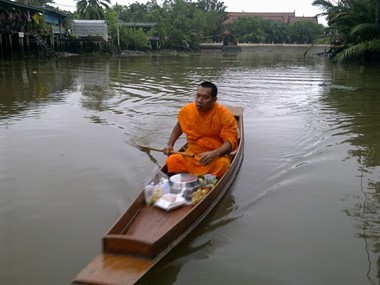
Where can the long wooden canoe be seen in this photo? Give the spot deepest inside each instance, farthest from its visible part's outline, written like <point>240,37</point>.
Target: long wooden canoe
<point>143,235</point>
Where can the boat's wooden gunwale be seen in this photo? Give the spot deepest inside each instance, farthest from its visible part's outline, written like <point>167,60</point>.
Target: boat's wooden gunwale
<point>127,257</point>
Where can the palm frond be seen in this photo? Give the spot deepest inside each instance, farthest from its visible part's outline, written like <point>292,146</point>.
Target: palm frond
<point>365,30</point>
<point>359,50</point>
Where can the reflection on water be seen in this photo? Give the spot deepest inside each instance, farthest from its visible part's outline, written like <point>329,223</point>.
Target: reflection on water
<point>366,212</point>
<point>71,130</point>
<point>358,108</point>
<point>26,87</point>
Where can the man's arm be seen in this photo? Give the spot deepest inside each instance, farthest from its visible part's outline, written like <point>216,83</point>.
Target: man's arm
<point>226,148</point>
<point>207,157</point>
<point>176,133</point>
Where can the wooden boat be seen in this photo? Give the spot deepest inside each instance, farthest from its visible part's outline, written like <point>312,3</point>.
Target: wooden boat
<point>143,235</point>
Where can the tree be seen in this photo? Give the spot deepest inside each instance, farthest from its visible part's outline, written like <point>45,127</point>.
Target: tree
<point>123,36</point>
<point>92,9</point>
<point>248,29</point>
<point>181,25</point>
<point>306,32</point>
<point>211,5</point>
<point>356,26</point>
<point>276,32</point>
<point>215,16</point>
<point>135,12</point>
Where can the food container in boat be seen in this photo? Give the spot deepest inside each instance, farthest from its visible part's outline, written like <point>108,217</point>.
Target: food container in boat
<point>183,182</point>
<point>170,201</point>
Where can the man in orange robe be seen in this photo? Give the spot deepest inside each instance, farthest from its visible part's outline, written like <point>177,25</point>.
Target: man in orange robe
<point>211,132</point>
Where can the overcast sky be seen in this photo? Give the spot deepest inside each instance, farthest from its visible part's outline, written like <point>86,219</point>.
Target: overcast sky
<point>301,7</point>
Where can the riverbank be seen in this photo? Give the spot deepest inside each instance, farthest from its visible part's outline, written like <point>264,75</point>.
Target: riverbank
<point>204,47</point>
<point>257,48</point>
<point>250,47</point>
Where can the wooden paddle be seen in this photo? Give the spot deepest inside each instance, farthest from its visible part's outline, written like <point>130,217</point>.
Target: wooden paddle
<point>172,152</point>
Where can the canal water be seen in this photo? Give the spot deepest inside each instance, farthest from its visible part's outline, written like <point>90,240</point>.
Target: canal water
<point>304,208</point>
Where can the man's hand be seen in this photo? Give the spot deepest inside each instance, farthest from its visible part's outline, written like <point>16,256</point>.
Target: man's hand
<point>208,157</point>
<point>168,149</point>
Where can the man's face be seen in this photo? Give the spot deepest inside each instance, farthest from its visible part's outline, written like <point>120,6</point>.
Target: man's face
<point>203,99</point>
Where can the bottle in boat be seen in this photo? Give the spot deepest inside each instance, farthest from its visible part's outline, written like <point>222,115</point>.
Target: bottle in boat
<point>165,185</point>
<point>158,191</point>
<point>148,193</point>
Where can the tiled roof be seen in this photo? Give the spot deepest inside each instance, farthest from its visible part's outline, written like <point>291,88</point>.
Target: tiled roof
<point>285,17</point>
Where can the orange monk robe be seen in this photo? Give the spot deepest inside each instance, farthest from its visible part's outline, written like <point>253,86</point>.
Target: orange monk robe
<point>204,132</point>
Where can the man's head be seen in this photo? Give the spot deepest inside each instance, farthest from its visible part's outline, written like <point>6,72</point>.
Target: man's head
<point>206,96</point>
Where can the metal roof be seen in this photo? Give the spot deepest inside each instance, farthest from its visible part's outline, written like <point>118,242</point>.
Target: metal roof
<point>47,9</point>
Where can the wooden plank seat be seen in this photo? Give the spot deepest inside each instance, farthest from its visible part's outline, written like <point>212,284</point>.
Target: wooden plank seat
<point>146,232</point>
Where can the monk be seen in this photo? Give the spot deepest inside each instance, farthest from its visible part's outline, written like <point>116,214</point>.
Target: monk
<point>211,132</point>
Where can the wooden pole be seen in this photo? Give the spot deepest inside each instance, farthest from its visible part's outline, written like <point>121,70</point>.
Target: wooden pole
<point>172,152</point>
<point>118,35</point>
<point>1,46</point>
<point>10,45</point>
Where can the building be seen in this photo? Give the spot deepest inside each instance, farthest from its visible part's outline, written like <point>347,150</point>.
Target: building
<point>27,30</point>
<point>287,18</point>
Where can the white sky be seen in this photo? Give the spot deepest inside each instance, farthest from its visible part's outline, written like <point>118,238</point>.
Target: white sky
<point>301,7</point>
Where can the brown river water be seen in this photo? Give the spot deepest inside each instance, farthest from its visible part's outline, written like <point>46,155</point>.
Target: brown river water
<point>304,209</point>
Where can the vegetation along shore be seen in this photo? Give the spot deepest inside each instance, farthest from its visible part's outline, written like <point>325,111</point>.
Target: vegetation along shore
<point>35,28</point>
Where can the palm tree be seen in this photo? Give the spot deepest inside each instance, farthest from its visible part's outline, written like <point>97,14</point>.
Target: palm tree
<point>92,9</point>
<point>357,27</point>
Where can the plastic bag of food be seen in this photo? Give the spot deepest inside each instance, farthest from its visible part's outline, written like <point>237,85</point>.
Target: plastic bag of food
<point>170,201</point>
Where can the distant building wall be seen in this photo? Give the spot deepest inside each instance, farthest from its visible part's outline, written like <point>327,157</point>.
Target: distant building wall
<point>287,18</point>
